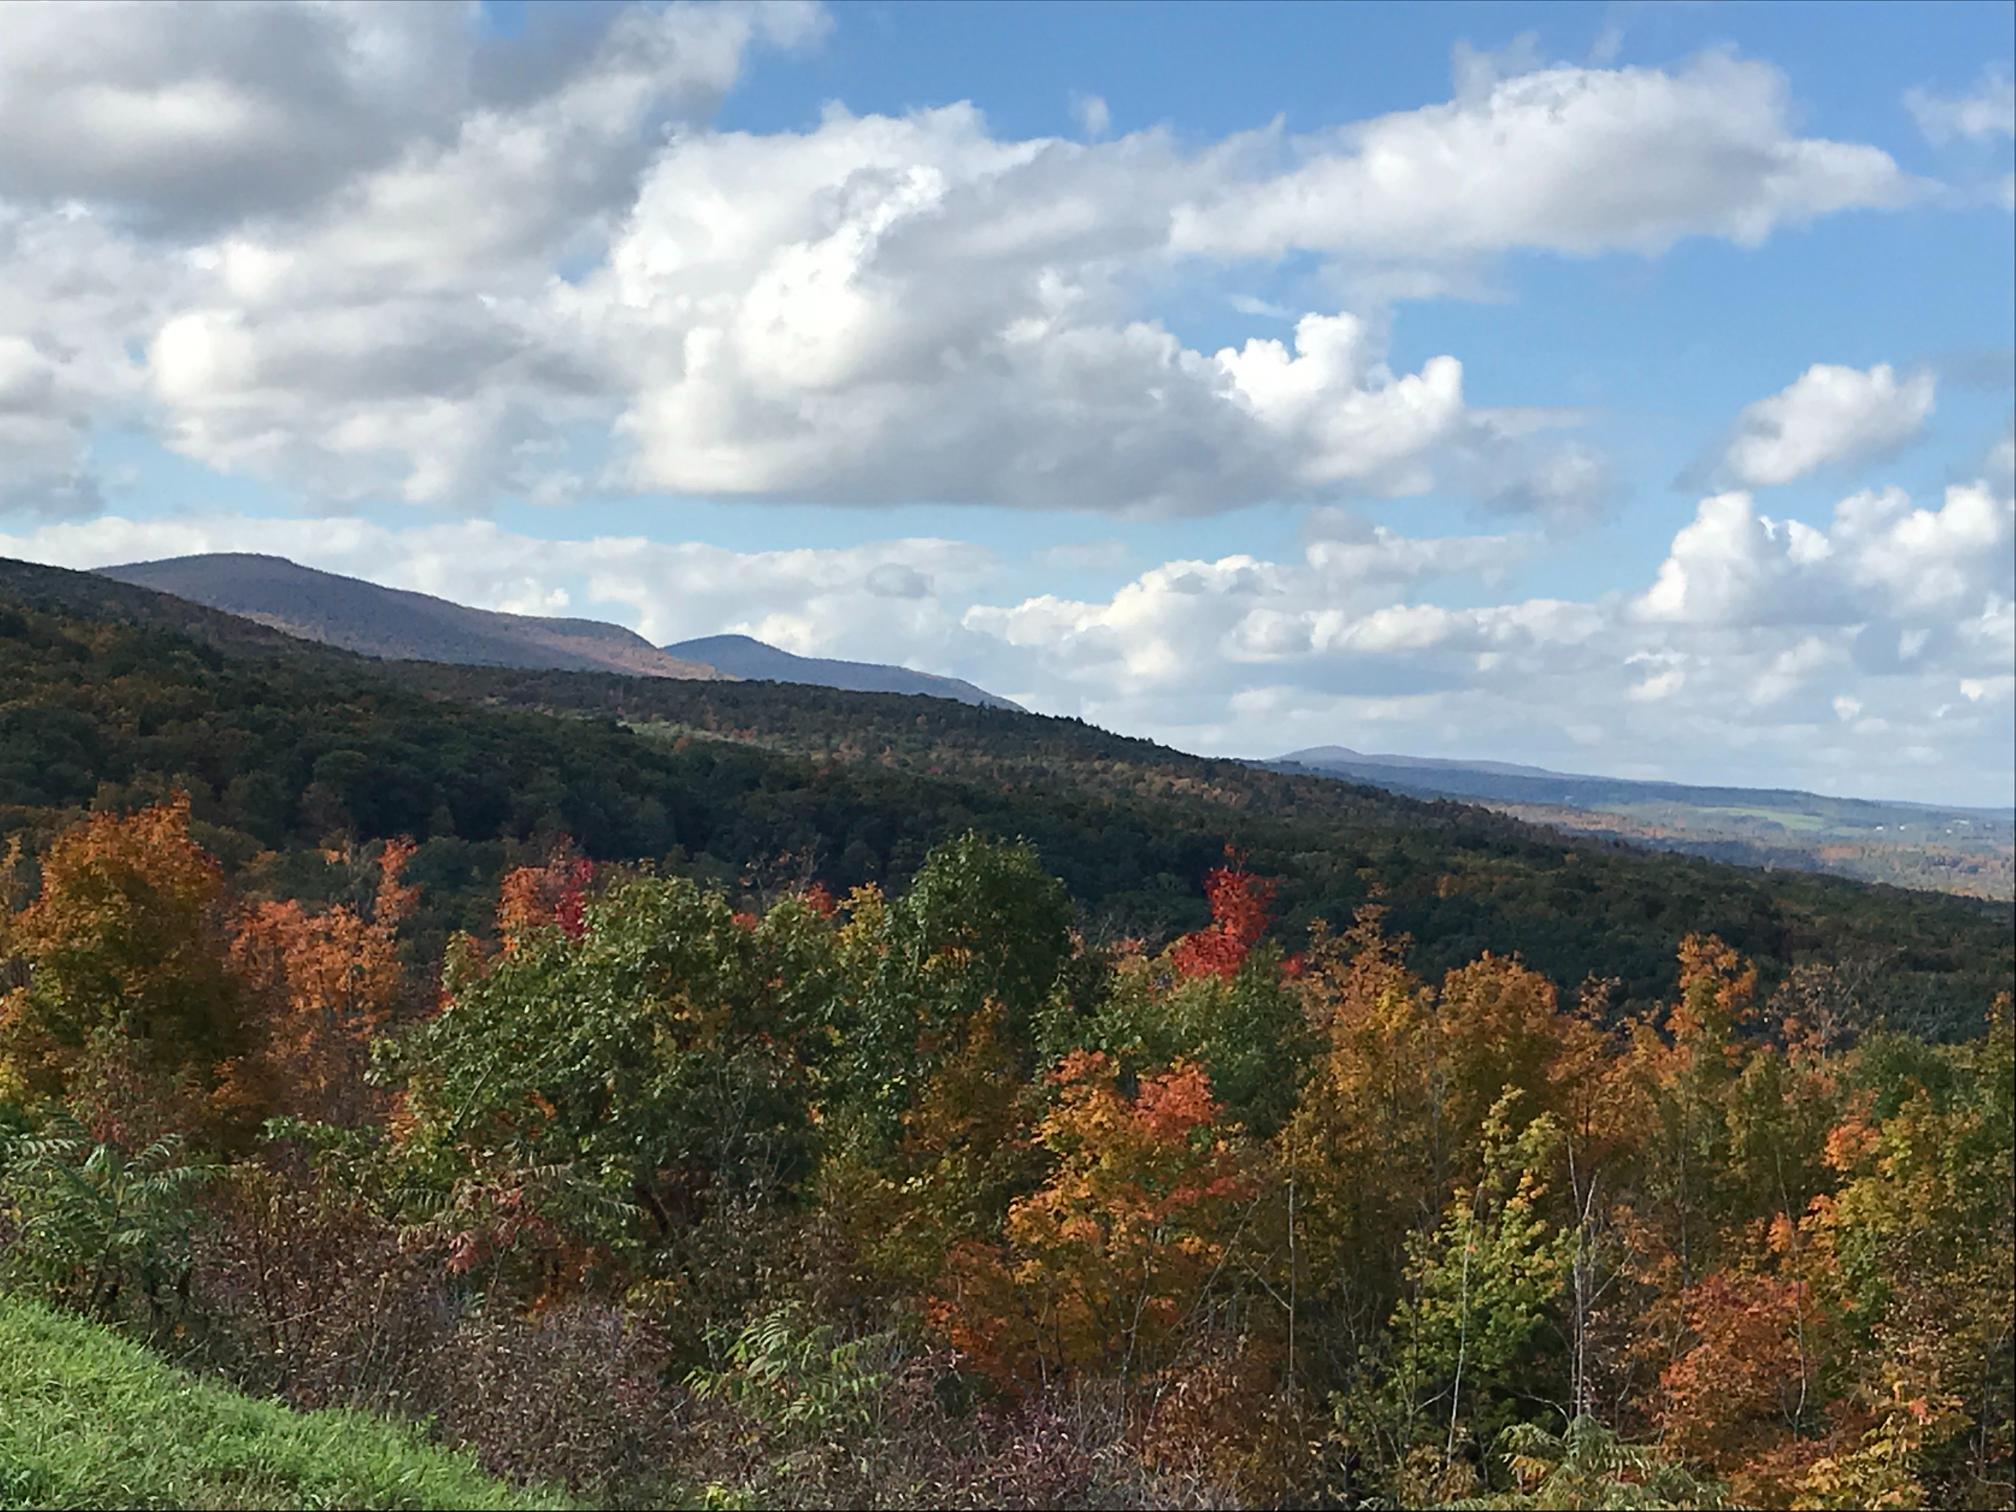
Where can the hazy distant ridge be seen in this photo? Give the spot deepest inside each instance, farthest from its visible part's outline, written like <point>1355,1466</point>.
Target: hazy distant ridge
<point>744,657</point>
<point>1508,782</point>
<point>398,625</point>
<point>1939,846</point>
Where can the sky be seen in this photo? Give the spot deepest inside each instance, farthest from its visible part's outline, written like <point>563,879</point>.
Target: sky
<point>1622,389</point>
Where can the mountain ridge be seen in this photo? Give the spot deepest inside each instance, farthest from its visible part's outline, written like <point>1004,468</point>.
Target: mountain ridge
<point>746,657</point>
<point>397,624</point>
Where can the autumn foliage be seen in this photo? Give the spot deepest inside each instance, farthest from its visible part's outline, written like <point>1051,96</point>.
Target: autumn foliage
<point>323,985</point>
<point>924,1199</point>
<point>1239,911</point>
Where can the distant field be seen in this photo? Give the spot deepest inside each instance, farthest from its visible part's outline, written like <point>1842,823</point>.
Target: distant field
<point>1784,817</point>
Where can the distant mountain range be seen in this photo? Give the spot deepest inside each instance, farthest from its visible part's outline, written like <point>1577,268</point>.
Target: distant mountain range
<point>1967,850</point>
<point>754,660</point>
<point>397,625</point>
<point>1344,756</point>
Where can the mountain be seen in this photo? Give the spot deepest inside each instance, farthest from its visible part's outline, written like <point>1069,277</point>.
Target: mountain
<point>112,696</point>
<point>1952,849</point>
<point>397,625</point>
<point>744,657</point>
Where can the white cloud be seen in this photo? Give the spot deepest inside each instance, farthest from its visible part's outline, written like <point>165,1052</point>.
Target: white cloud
<point>190,115</point>
<point>1733,566</point>
<point>375,254</point>
<point>1882,559</point>
<point>1094,119</point>
<point>1988,110</point>
<point>1578,160</point>
<point>1764,651</point>
<point>1829,416</point>
<point>187,115</point>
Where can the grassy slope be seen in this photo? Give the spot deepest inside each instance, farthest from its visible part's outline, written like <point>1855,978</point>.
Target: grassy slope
<point>90,1420</point>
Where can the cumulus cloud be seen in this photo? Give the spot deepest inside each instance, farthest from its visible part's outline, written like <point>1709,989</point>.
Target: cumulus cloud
<point>1763,650</point>
<point>1734,568</point>
<point>1985,111</point>
<point>71,293</point>
<point>1828,417</point>
<point>44,423</point>
<point>342,224</point>
<point>1579,160</point>
<point>885,311</point>
<point>376,253</point>
<point>192,116</point>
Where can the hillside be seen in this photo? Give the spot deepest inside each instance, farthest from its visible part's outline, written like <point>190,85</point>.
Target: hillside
<point>395,624</point>
<point>1951,849</point>
<point>745,657</point>
<point>88,1419</point>
<point>283,744</point>
<point>1072,1172</point>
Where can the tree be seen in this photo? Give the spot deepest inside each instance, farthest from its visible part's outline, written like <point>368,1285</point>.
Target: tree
<point>605,1090</point>
<point>1240,904</point>
<point>128,968</point>
<point>964,1155</point>
<point>1482,1287</point>
<point>1104,1265</point>
<point>981,923</point>
<point>1923,1233</point>
<point>1360,1151</point>
<point>323,987</point>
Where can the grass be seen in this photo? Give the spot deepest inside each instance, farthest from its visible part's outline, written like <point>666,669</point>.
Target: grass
<point>88,1419</point>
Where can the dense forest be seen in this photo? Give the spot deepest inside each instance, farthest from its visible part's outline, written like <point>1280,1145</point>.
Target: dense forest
<point>115,696</point>
<point>740,1095</point>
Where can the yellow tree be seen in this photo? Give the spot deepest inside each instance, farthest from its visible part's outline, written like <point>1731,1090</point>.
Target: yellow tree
<point>1106,1263</point>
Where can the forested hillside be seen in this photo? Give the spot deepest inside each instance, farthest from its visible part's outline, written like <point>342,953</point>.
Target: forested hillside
<point>697,1093</point>
<point>921,1199</point>
<point>115,696</point>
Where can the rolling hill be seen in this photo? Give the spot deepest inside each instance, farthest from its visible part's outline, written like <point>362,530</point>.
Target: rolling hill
<point>283,744</point>
<point>397,625</point>
<point>745,657</point>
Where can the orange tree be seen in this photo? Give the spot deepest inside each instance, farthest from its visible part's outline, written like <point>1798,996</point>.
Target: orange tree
<point>130,1005</point>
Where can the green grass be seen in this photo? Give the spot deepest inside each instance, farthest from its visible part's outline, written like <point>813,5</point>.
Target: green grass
<point>88,1419</point>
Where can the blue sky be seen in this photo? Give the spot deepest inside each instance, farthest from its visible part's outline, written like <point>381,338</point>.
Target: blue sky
<point>1621,388</point>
